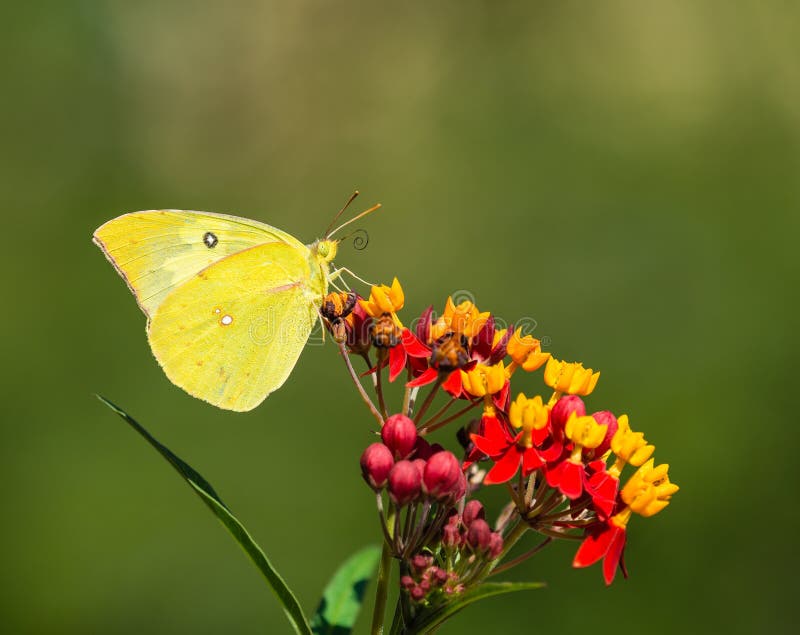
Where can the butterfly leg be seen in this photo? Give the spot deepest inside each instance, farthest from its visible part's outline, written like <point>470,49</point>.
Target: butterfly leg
<point>337,273</point>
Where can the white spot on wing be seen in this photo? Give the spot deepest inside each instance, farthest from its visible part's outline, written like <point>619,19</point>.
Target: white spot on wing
<point>226,320</point>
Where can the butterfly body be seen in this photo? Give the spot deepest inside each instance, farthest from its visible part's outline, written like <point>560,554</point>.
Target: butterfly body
<point>230,302</point>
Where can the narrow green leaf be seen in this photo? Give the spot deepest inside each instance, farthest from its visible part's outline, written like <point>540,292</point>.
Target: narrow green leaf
<point>207,494</point>
<point>426,621</point>
<point>341,601</point>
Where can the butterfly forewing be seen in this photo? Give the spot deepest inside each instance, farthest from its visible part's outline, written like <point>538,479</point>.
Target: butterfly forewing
<point>157,251</point>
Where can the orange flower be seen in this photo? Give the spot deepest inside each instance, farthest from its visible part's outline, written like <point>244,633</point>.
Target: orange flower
<point>526,352</point>
<point>463,319</point>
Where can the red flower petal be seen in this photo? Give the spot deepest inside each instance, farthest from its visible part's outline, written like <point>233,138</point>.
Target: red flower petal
<point>594,547</point>
<point>614,555</point>
<point>413,346</point>
<point>553,452</point>
<point>428,377</point>
<point>602,487</point>
<point>571,484</point>
<point>397,361</point>
<point>452,384</point>
<point>499,350</point>
<point>481,345</point>
<point>501,398</point>
<point>424,324</point>
<point>490,447</point>
<point>555,473</point>
<point>492,427</point>
<point>505,467</point>
<point>530,461</point>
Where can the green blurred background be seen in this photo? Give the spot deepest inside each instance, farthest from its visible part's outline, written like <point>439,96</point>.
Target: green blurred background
<point>624,173</point>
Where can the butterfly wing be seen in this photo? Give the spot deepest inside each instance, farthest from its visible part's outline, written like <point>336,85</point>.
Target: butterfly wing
<point>232,334</point>
<point>157,251</point>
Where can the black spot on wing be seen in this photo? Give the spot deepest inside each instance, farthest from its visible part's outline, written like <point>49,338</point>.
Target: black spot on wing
<point>210,240</point>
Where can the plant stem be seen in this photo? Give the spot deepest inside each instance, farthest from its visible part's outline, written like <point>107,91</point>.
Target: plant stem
<point>428,400</point>
<point>382,589</point>
<point>379,388</point>
<point>428,429</point>
<point>520,559</point>
<point>439,413</point>
<point>358,384</point>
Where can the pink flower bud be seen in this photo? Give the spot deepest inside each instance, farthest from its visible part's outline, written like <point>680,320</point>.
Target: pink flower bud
<point>495,545</point>
<point>562,410</point>
<point>404,482</point>
<point>417,593</point>
<point>604,417</point>
<point>420,562</point>
<point>400,435</point>
<point>453,518</point>
<point>472,510</point>
<point>420,465</point>
<point>451,536</point>
<point>376,463</point>
<point>407,582</point>
<point>442,475</point>
<point>479,535</point>
<point>439,576</point>
<point>461,487</point>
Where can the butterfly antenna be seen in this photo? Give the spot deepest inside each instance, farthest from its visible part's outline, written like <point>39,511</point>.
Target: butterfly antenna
<point>340,212</point>
<point>374,208</point>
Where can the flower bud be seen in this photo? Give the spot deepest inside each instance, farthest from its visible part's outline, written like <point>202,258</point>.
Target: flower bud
<point>561,412</point>
<point>479,535</point>
<point>442,475</point>
<point>495,545</point>
<point>407,582</point>
<point>420,562</point>
<point>461,487</point>
<point>451,535</point>
<point>376,463</point>
<point>604,417</point>
<point>404,482</point>
<point>438,576</point>
<point>400,435</point>
<point>417,593</point>
<point>472,510</point>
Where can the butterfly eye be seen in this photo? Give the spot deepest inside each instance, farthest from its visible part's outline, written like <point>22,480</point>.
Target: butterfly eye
<point>210,240</point>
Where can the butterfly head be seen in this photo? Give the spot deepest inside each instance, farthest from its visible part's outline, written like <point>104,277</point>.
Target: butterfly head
<point>325,249</point>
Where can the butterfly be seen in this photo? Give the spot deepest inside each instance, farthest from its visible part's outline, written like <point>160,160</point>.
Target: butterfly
<point>230,302</point>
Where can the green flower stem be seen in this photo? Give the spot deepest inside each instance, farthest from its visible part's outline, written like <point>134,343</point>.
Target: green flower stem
<point>509,541</point>
<point>384,571</point>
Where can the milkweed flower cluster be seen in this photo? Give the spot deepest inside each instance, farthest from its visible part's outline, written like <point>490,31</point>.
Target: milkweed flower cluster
<point>569,473</point>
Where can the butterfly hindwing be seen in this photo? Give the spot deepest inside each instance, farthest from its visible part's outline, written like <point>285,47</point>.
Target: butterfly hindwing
<point>232,333</point>
<point>156,251</point>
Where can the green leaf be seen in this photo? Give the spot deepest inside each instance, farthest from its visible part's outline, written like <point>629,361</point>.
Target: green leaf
<point>341,601</point>
<point>428,620</point>
<point>207,494</point>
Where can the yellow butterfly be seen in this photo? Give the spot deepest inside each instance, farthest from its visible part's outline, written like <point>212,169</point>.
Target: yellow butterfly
<point>230,302</point>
